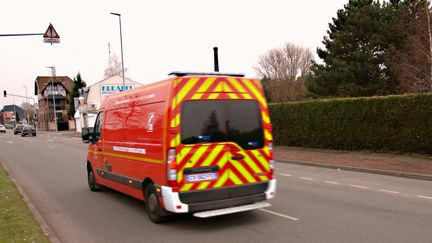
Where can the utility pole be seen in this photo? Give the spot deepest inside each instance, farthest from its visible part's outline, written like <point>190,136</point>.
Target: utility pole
<point>53,73</point>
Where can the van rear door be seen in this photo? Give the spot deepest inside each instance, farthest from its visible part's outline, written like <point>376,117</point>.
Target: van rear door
<point>222,144</point>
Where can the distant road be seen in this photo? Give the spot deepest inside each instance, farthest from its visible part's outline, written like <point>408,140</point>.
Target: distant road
<point>312,204</point>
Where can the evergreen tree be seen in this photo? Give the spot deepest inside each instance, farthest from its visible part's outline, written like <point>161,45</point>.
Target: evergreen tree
<point>78,84</point>
<point>355,53</point>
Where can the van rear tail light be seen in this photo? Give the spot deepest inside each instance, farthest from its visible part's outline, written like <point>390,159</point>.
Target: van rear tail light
<point>172,168</point>
<point>272,167</point>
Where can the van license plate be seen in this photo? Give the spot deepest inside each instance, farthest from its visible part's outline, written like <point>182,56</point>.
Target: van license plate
<point>201,177</point>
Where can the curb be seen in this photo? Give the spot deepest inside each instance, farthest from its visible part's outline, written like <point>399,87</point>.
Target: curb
<point>358,169</point>
<point>46,229</point>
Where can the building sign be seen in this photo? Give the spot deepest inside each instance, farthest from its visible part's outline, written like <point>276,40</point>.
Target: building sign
<point>114,88</point>
<point>57,89</point>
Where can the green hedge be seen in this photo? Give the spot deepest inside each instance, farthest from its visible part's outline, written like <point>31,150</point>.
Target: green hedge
<point>391,123</point>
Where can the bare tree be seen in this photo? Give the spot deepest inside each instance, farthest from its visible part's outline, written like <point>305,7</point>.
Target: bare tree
<point>114,67</point>
<point>284,70</point>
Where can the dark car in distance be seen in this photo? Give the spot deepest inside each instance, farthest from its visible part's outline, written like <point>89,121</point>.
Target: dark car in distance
<point>28,130</point>
<point>18,129</point>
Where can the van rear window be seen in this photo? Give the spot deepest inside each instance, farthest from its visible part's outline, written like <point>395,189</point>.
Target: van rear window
<point>208,121</point>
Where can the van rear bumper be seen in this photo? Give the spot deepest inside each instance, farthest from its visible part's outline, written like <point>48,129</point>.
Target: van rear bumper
<point>198,201</point>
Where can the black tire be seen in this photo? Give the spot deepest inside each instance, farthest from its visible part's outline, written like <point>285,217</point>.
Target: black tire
<point>22,135</point>
<point>154,210</point>
<point>34,134</point>
<point>94,187</point>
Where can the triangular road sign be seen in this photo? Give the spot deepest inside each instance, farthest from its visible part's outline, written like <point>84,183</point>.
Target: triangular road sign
<point>51,32</point>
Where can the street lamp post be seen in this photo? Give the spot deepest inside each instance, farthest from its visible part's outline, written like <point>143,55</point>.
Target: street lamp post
<point>121,49</point>
<point>27,110</point>
<point>52,90</point>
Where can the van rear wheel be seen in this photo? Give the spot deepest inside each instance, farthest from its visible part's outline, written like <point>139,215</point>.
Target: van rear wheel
<point>154,210</point>
<point>92,181</point>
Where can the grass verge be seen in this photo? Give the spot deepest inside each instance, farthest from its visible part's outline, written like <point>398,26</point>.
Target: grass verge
<point>17,223</point>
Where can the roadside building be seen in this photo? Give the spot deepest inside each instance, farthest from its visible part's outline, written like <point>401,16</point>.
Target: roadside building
<point>50,91</point>
<point>85,115</point>
<point>12,114</point>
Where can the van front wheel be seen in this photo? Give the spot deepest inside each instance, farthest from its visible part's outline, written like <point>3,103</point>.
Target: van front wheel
<point>154,210</point>
<point>92,181</point>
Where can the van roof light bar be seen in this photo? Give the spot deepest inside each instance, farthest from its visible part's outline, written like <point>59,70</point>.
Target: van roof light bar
<point>182,74</point>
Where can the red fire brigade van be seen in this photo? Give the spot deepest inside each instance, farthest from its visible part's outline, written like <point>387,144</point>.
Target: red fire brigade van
<point>196,143</point>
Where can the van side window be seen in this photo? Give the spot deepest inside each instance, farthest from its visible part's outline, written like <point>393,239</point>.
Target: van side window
<point>98,127</point>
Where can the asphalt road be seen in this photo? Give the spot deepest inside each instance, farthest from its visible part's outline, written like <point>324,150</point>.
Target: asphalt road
<point>312,204</point>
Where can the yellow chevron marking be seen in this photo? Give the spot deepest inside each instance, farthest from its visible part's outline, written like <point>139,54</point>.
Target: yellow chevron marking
<point>186,187</point>
<point>261,159</point>
<point>213,96</point>
<point>244,172</point>
<point>219,87</point>
<point>223,160</point>
<point>247,96</point>
<point>257,94</point>
<point>204,185</point>
<point>266,150</point>
<point>252,164</point>
<point>210,159</point>
<point>197,96</point>
<point>233,96</point>
<point>264,178</point>
<point>235,179</point>
<point>206,85</point>
<point>226,88</point>
<point>237,85</point>
<point>180,156</point>
<point>185,90</point>
<point>173,103</point>
<point>222,179</point>
<point>268,135</point>
<point>176,82</point>
<point>197,155</point>
<point>175,141</point>
<point>175,121</point>
<point>266,118</point>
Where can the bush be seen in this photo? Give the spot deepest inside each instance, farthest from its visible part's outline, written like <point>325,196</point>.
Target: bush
<point>392,123</point>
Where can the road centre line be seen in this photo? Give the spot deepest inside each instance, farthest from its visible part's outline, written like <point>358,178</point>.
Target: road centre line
<point>388,191</point>
<point>425,197</point>
<point>357,186</point>
<point>306,178</point>
<point>9,142</point>
<point>332,182</point>
<point>279,214</point>
<point>52,147</point>
<point>287,175</point>
<point>49,140</point>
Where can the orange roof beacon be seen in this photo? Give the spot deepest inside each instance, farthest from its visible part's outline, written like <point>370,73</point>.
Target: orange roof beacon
<point>196,143</point>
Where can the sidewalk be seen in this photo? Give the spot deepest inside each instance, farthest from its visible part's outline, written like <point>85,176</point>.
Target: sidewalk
<point>415,166</point>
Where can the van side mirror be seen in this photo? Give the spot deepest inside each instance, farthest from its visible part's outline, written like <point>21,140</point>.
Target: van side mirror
<point>87,134</point>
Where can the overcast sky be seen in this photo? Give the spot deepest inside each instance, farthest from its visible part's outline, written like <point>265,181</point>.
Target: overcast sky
<point>158,36</point>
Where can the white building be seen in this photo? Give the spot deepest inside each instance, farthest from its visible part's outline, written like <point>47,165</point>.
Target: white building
<point>85,115</point>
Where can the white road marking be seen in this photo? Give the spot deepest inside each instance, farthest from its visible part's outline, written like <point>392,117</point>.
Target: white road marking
<point>306,178</point>
<point>279,214</point>
<point>52,147</point>
<point>9,142</point>
<point>287,175</point>
<point>49,140</point>
<point>332,182</point>
<point>357,186</point>
<point>425,197</point>
<point>388,191</point>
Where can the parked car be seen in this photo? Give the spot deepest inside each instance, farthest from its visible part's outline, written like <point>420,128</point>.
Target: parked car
<point>28,130</point>
<point>18,128</point>
<point>2,128</point>
<point>9,126</point>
